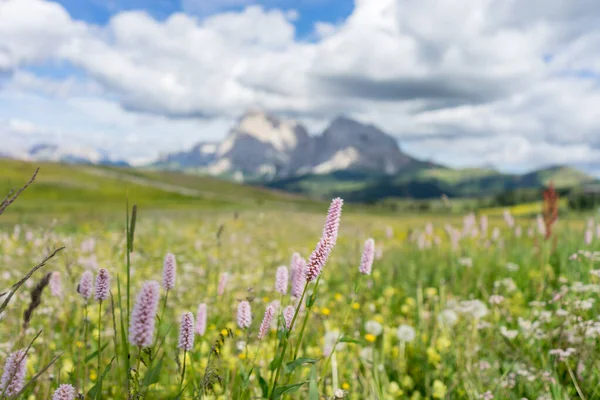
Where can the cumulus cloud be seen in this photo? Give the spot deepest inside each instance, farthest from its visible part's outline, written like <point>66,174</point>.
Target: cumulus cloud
<point>455,76</point>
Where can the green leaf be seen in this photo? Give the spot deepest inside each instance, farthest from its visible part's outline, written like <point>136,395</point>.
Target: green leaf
<point>281,390</point>
<point>347,339</point>
<point>264,386</point>
<point>313,390</point>
<point>178,396</point>
<point>290,367</point>
<point>95,353</point>
<point>276,363</point>
<point>97,388</point>
<point>153,375</point>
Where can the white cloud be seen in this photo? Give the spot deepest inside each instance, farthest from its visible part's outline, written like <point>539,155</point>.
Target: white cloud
<point>455,76</point>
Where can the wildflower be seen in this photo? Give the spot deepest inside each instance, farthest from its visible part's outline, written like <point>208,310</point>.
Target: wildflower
<point>141,330</point>
<point>562,354</point>
<point>264,325</point>
<point>288,316</point>
<point>589,236</point>
<point>169,267</point>
<point>201,319</point>
<point>244,315</point>
<point>370,337</point>
<point>64,392</point>
<point>439,389</point>
<point>487,396</point>
<point>186,332</point>
<point>373,327</point>
<point>330,340</point>
<point>366,262</point>
<point>56,285</point>
<point>13,377</point>
<point>222,283</point>
<point>332,222</point>
<point>339,394</point>
<point>508,218</point>
<point>85,285</point>
<point>496,299</point>
<point>325,311</point>
<point>433,356</point>
<point>448,318</point>
<point>476,308</point>
<point>102,285</point>
<point>509,334</point>
<point>298,269</point>
<point>281,280</point>
<point>406,333</point>
<point>317,259</point>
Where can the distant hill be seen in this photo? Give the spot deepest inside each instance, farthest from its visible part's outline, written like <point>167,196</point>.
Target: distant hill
<point>91,189</point>
<point>429,182</point>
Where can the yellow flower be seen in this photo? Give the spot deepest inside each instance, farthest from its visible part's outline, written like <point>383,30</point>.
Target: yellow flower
<point>370,337</point>
<point>389,291</point>
<point>79,344</point>
<point>430,292</point>
<point>346,386</point>
<point>325,311</point>
<point>410,302</point>
<point>338,296</point>
<point>405,308</point>
<point>224,332</point>
<point>379,319</point>
<point>439,389</point>
<point>433,356</point>
<point>242,356</point>
<point>443,344</point>
<point>356,306</point>
<point>265,299</point>
<point>395,389</point>
<point>407,382</point>
<point>93,375</point>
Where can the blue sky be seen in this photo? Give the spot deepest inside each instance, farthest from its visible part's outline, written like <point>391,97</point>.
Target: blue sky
<point>465,83</point>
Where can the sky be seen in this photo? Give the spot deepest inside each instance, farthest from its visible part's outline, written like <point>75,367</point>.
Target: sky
<point>513,84</point>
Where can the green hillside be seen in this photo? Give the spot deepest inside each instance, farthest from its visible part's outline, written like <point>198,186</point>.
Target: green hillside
<point>430,183</point>
<point>86,188</point>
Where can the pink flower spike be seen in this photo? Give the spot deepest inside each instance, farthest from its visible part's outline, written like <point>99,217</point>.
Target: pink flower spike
<point>56,285</point>
<point>201,318</point>
<point>288,316</point>
<point>141,330</point>
<point>85,285</point>
<point>169,266</point>
<point>244,315</point>
<point>223,283</point>
<point>186,332</point>
<point>332,222</point>
<point>366,262</point>
<point>64,392</point>
<point>281,280</point>
<point>102,285</point>
<point>317,259</point>
<point>13,377</point>
<point>264,326</point>
<point>298,276</point>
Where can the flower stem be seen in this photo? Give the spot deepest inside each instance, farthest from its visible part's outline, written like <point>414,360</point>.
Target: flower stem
<point>99,338</point>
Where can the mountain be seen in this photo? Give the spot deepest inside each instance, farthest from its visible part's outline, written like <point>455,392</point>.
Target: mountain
<point>68,154</point>
<point>261,147</point>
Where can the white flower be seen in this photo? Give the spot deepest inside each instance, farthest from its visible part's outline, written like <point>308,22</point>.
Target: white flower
<point>509,334</point>
<point>406,333</point>
<point>512,267</point>
<point>367,354</point>
<point>496,299</point>
<point>330,339</point>
<point>476,308</point>
<point>448,318</point>
<point>373,327</point>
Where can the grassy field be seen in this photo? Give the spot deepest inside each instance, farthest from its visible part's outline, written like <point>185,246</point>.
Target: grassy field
<point>453,308</point>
